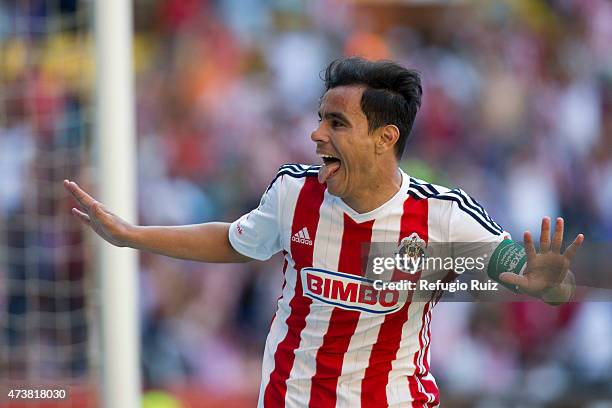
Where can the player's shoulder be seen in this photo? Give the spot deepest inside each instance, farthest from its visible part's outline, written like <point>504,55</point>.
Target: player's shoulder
<point>294,172</point>
<point>456,199</point>
<point>421,189</point>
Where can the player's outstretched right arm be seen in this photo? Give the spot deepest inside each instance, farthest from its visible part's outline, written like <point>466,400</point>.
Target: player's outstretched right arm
<point>207,242</point>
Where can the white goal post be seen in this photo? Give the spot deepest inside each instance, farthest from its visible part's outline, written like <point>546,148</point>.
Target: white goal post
<point>116,163</point>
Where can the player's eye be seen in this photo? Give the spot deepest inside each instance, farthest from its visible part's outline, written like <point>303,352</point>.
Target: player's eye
<point>336,123</point>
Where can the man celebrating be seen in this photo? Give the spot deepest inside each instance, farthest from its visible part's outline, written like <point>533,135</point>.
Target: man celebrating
<point>334,340</point>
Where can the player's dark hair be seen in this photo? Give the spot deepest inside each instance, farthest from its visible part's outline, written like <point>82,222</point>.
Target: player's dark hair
<point>392,95</point>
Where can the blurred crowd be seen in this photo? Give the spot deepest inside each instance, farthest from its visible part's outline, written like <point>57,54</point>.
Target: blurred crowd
<point>517,111</point>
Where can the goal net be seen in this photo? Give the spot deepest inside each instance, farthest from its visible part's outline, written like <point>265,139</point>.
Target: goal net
<point>46,87</point>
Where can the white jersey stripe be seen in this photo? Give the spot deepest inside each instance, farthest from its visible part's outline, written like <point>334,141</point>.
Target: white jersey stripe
<point>278,329</point>
<point>397,390</point>
<point>326,253</point>
<point>356,359</point>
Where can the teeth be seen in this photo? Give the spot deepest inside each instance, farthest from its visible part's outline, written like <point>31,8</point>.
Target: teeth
<point>326,156</point>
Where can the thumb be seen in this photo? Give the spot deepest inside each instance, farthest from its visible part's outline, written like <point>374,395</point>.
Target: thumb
<point>513,279</point>
<point>82,216</point>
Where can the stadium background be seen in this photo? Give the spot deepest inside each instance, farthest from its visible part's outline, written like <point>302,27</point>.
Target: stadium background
<point>517,111</point>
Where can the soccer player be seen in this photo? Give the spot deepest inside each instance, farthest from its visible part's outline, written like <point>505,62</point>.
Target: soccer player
<point>334,341</point>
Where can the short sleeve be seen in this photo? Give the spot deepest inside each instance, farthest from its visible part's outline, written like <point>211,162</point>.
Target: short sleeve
<point>257,234</point>
<point>472,232</point>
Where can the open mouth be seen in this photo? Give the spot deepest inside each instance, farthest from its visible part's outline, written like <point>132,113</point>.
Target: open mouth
<point>331,165</point>
<point>327,160</point>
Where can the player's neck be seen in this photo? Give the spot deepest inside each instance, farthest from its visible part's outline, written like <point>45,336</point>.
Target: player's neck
<point>375,193</point>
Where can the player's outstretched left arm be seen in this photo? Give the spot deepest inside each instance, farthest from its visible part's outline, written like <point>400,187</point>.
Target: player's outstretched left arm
<point>547,275</point>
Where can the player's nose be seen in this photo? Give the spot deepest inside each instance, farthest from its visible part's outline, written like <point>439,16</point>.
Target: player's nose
<point>318,135</point>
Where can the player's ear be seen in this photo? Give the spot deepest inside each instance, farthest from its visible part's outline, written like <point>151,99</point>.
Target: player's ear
<point>387,138</point>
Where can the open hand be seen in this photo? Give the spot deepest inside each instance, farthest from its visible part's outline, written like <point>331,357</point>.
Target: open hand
<point>547,270</point>
<point>94,214</point>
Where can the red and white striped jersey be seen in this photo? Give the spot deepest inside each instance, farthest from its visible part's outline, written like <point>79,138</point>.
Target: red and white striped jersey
<point>335,345</point>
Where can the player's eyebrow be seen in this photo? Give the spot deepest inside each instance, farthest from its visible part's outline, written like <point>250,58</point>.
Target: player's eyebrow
<point>335,115</point>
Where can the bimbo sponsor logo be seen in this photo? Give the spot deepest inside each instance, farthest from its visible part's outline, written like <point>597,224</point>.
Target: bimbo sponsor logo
<point>349,291</point>
<point>302,237</point>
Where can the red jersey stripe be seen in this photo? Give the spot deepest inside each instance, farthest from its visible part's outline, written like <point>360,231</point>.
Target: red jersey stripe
<point>422,370</point>
<point>342,323</point>
<point>427,390</point>
<point>431,393</point>
<point>374,384</point>
<point>306,215</point>
<point>430,386</point>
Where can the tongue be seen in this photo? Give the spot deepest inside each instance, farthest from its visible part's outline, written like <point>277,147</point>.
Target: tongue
<point>328,170</point>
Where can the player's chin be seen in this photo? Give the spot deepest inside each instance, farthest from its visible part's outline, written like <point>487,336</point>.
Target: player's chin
<point>335,186</point>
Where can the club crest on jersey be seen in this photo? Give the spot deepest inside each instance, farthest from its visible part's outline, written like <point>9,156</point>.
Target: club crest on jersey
<point>412,247</point>
<point>349,291</point>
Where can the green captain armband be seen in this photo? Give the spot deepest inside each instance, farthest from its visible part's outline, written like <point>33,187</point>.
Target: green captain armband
<point>509,256</point>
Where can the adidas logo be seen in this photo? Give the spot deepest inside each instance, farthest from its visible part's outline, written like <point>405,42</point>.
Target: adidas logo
<point>302,237</point>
